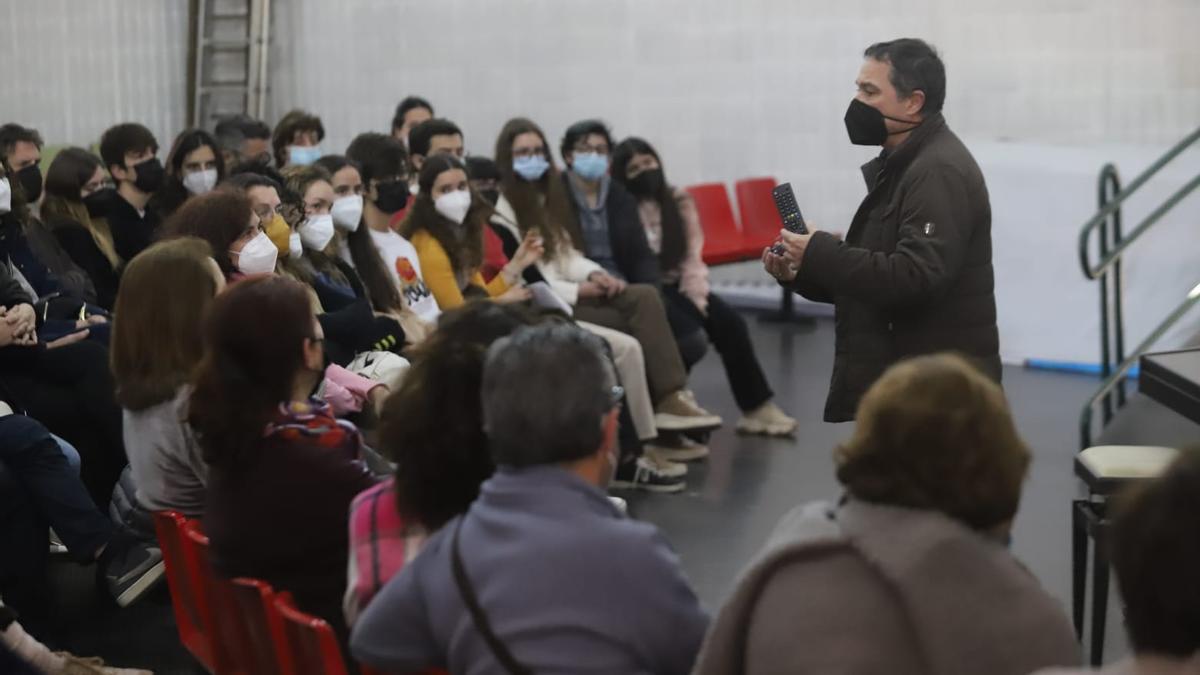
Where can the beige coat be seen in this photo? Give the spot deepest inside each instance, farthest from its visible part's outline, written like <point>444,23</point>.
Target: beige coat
<point>866,589</point>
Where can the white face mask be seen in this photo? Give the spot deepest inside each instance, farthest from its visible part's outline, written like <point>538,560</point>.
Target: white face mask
<point>316,231</point>
<point>258,255</point>
<point>295,246</point>
<point>5,196</point>
<point>454,205</point>
<point>200,182</point>
<point>347,212</point>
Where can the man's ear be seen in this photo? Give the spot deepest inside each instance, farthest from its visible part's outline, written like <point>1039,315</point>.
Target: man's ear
<point>914,103</point>
<point>417,161</point>
<point>118,172</point>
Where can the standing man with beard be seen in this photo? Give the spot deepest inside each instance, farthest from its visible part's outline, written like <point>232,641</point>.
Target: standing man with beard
<point>914,273</point>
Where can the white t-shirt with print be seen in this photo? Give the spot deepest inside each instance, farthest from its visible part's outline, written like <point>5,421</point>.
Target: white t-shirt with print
<point>400,257</point>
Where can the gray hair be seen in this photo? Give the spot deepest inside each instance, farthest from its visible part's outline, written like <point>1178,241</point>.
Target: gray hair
<point>545,390</point>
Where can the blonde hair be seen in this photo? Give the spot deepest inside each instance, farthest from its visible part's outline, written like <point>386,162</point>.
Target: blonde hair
<point>935,433</point>
<point>97,227</point>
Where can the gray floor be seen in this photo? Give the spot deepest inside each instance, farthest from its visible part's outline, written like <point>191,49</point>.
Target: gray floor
<point>735,499</point>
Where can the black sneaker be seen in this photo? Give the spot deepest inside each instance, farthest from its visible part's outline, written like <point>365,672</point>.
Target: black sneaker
<point>130,568</point>
<point>644,475</point>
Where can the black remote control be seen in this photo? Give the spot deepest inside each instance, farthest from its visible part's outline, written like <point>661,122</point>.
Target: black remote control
<point>789,211</point>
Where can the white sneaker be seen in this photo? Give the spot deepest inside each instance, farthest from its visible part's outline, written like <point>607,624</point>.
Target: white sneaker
<point>643,475</point>
<point>767,420</point>
<point>665,466</point>
<point>679,412</point>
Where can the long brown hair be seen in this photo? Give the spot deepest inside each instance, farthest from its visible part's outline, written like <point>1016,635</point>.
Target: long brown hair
<point>297,180</point>
<point>466,251</point>
<point>542,204</point>
<point>156,333</point>
<point>71,169</point>
<point>253,349</point>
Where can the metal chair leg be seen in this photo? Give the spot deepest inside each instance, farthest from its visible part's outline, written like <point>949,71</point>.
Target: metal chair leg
<point>1079,551</point>
<point>1099,591</point>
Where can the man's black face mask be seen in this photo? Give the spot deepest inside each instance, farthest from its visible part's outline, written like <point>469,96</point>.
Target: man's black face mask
<point>865,124</point>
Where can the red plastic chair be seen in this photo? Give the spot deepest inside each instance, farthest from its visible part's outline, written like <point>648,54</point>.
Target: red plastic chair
<point>760,219</point>
<point>187,598</point>
<point>222,623</point>
<point>311,646</point>
<point>723,240</point>
<point>264,642</point>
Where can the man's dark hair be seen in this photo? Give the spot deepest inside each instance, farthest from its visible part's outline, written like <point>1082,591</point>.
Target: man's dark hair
<point>480,167</point>
<point>915,65</point>
<point>581,130</point>
<point>421,136</point>
<point>409,103</point>
<point>545,392</point>
<point>379,156</point>
<point>124,139</point>
<point>247,179</point>
<point>1156,552</point>
<point>231,131</point>
<point>12,133</point>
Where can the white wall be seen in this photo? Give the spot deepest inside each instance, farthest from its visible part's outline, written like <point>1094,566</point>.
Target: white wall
<point>72,69</point>
<point>1043,91</point>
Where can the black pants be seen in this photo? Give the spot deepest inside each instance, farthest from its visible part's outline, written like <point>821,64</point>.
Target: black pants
<point>727,331</point>
<point>70,390</point>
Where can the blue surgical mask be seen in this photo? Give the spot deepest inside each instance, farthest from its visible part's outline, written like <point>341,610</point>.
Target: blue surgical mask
<point>589,165</point>
<point>303,155</point>
<point>531,168</point>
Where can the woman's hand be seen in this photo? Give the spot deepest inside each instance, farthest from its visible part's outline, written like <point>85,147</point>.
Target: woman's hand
<point>22,319</point>
<point>610,285</point>
<point>529,252</point>
<point>514,295</point>
<point>591,289</point>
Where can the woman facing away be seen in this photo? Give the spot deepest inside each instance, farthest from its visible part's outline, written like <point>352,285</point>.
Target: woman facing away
<point>157,343</point>
<point>910,571</point>
<point>282,469</point>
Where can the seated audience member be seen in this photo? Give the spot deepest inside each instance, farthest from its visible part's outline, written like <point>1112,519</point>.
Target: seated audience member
<point>129,153</point>
<point>264,186</point>
<point>409,113</point>
<point>429,138</point>
<point>561,578</point>
<point>53,496</point>
<point>165,293</point>
<point>194,166</point>
<point>227,221</point>
<point>534,199</point>
<point>64,383</point>
<point>34,255</point>
<point>433,430</point>
<point>382,162</point>
<point>76,189</point>
<point>1156,552</point>
<point>910,572</point>
<point>672,228</point>
<point>484,178</point>
<point>356,247</point>
<point>297,139</point>
<point>21,152</point>
<point>282,469</point>
<point>243,139</point>
<point>445,225</point>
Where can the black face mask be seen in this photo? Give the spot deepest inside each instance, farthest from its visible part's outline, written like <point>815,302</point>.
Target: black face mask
<point>492,195</point>
<point>150,175</point>
<point>393,196</point>
<point>31,182</point>
<point>97,202</point>
<point>648,183</point>
<point>866,126</point>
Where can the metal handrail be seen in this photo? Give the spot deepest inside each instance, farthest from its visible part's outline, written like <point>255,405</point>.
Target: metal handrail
<point>1112,245</point>
<point>1101,216</point>
<point>1122,369</point>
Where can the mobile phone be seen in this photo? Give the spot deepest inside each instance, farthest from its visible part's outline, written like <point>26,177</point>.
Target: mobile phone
<point>789,211</point>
